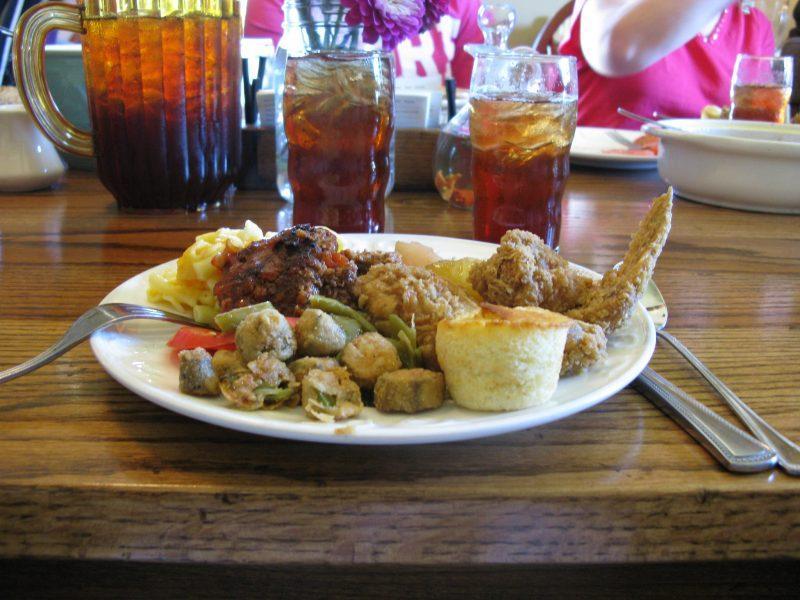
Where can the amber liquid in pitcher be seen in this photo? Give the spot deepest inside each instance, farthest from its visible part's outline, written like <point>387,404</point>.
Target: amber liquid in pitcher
<point>165,109</point>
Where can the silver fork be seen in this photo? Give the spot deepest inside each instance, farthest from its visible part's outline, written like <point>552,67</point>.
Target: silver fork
<point>788,452</point>
<point>93,320</point>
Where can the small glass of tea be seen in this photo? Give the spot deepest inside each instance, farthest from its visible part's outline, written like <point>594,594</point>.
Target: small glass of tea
<point>761,88</point>
<point>524,112</point>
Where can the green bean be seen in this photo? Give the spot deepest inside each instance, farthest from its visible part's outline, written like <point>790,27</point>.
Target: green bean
<point>350,327</point>
<point>229,320</point>
<point>402,351</point>
<point>401,327</point>
<point>329,305</point>
<point>204,314</point>
<point>385,328</point>
<point>410,349</point>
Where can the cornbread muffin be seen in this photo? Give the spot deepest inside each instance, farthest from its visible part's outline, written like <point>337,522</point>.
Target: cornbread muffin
<point>502,358</point>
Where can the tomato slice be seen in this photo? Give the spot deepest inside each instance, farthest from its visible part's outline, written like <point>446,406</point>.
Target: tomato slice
<point>334,260</point>
<point>292,321</point>
<point>188,338</point>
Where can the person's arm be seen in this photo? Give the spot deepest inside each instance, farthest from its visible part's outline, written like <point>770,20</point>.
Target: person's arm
<point>622,37</point>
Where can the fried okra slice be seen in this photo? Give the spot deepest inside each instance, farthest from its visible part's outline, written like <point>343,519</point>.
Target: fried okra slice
<point>409,391</point>
<point>196,375</point>
<point>265,331</point>
<point>368,357</point>
<point>228,362</point>
<point>278,385</point>
<point>302,366</point>
<point>331,395</point>
<point>265,383</point>
<point>318,334</point>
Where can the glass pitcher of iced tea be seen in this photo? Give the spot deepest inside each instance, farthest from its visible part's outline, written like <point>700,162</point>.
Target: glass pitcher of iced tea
<point>524,113</point>
<point>162,80</point>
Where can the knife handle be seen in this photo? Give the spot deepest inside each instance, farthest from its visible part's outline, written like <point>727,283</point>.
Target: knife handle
<point>733,448</point>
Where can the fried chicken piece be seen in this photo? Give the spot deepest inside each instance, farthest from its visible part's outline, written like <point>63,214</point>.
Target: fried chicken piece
<point>527,272</point>
<point>586,345</point>
<point>610,302</point>
<point>412,293</point>
<point>366,259</point>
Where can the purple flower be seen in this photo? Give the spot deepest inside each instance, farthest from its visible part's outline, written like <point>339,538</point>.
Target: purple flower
<point>390,20</point>
<point>434,9</point>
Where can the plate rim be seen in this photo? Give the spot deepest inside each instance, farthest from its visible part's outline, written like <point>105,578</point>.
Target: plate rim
<point>600,160</point>
<point>500,423</point>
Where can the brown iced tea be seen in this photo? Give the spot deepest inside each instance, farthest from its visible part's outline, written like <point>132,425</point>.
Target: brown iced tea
<point>339,121</point>
<point>165,108</point>
<point>520,164</point>
<point>760,103</point>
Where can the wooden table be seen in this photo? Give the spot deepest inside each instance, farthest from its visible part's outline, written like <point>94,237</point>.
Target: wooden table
<point>101,489</point>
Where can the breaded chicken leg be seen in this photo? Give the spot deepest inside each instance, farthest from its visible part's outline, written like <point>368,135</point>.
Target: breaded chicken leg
<point>524,271</point>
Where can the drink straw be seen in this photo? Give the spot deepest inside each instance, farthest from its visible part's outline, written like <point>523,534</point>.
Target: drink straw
<point>262,68</point>
<point>248,101</point>
<point>450,88</point>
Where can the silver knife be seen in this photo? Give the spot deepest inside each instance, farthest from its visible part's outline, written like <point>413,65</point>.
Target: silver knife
<point>733,448</point>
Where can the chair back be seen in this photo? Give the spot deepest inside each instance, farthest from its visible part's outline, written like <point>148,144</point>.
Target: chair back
<point>544,42</point>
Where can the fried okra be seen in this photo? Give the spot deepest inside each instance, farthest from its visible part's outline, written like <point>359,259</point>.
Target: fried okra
<point>409,391</point>
<point>318,334</point>
<point>265,331</point>
<point>368,357</point>
<point>266,382</point>
<point>228,362</point>
<point>331,395</point>
<point>302,366</point>
<point>196,375</point>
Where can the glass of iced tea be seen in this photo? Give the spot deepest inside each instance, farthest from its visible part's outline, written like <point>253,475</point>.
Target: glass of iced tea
<point>338,113</point>
<point>761,88</point>
<point>162,79</point>
<point>524,113</point>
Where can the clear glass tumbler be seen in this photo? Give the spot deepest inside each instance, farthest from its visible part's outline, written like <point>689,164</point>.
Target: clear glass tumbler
<point>761,88</point>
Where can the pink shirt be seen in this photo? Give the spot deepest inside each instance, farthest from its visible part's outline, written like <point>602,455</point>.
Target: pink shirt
<point>439,50</point>
<point>678,85</point>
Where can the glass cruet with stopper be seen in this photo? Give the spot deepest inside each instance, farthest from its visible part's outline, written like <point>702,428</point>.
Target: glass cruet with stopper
<point>451,162</point>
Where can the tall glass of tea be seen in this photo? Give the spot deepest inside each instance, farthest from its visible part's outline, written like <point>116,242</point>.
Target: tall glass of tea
<point>162,79</point>
<point>338,113</point>
<point>761,88</point>
<point>524,113</point>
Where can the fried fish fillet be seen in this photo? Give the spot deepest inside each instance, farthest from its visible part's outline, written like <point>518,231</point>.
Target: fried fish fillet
<point>412,293</point>
<point>524,271</point>
<point>609,302</point>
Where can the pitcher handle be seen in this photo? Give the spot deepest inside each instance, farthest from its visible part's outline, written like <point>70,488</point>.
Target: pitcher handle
<point>29,38</point>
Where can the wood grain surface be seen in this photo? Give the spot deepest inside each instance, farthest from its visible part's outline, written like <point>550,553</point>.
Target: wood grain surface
<point>89,471</point>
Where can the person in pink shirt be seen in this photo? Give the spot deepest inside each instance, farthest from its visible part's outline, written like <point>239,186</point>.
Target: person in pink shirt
<point>658,57</point>
<point>439,50</point>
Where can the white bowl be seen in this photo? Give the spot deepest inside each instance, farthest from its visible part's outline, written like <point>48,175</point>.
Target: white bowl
<point>736,164</point>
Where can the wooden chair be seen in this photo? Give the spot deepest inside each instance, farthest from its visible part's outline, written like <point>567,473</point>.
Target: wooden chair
<point>544,42</point>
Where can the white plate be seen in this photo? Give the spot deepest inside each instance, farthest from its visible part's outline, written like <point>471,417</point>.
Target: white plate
<point>136,356</point>
<point>746,165</point>
<point>591,144</point>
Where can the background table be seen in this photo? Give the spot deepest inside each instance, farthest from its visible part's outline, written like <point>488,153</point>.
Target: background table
<point>100,488</point>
